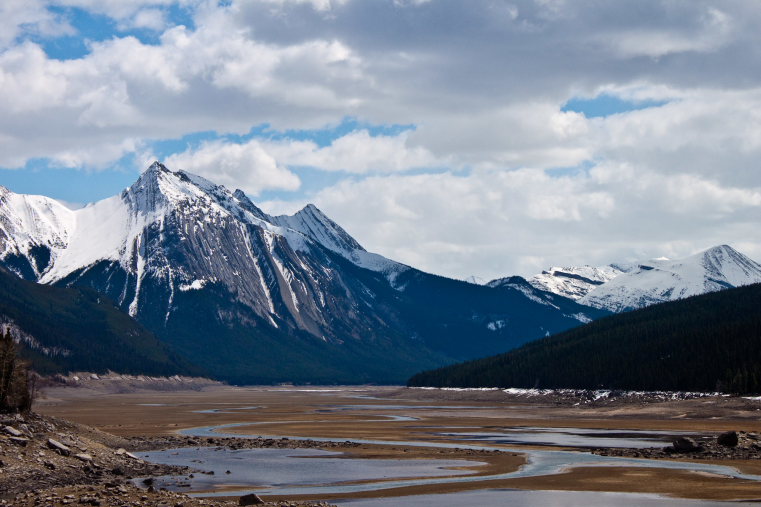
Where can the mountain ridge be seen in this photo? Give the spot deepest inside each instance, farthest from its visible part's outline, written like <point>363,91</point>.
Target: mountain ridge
<point>225,283</point>
<point>621,287</point>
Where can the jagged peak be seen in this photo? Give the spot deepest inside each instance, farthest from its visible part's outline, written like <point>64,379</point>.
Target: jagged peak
<point>311,209</point>
<point>720,249</point>
<point>312,222</point>
<point>248,205</point>
<point>159,187</point>
<point>157,166</point>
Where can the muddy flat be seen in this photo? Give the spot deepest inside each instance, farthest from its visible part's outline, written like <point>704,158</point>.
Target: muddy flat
<point>400,423</point>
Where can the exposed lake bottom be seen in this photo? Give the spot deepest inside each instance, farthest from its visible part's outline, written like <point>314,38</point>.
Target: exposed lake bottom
<point>320,474</point>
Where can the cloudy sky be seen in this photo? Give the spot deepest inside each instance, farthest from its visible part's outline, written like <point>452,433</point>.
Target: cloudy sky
<point>479,137</point>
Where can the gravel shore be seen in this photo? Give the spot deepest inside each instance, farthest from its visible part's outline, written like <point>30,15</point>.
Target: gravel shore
<point>53,462</point>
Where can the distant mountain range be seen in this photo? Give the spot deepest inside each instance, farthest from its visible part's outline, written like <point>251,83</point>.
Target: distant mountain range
<point>701,343</point>
<point>628,286</point>
<point>250,297</point>
<point>244,296</point>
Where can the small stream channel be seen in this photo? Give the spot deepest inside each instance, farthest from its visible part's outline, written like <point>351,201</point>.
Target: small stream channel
<point>321,473</point>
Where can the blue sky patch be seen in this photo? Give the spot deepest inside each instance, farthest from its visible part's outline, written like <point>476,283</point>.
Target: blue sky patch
<point>606,105</point>
<point>91,27</point>
<point>577,170</point>
<point>72,185</point>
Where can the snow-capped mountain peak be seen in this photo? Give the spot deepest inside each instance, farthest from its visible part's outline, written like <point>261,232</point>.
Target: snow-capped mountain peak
<point>33,229</point>
<point>315,224</point>
<point>219,231</point>
<point>574,282</point>
<point>660,280</point>
<point>626,286</point>
<point>235,288</point>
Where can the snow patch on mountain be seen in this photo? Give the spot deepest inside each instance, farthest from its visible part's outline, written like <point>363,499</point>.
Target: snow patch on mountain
<point>521,284</point>
<point>194,285</point>
<point>29,221</point>
<point>497,325</point>
<point>575,282</point>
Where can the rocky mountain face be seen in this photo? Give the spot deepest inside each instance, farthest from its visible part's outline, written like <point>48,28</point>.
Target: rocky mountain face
<point>628,286</point>
<point>255,298</point>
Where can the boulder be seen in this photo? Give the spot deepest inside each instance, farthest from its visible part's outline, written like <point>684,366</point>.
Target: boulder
<point>84,457</point>
<point>728,439</point>
<point>19,441</point>
<point>686,444</point>
<point>121,452</point>
<point>252,499</point>
<point>58,446</point>
<point>13,431</point>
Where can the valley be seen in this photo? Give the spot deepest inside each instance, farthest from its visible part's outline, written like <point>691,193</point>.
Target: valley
<point>521,443</point>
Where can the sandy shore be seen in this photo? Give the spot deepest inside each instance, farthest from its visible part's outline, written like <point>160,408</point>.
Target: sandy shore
<point>369,413</point>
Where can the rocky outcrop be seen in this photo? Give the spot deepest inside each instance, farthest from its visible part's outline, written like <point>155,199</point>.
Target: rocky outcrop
<point>748,447</point>
<point>728,439</point>
<point>685,444</point>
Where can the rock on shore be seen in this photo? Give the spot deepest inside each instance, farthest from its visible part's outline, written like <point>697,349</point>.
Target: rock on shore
<point>52,462</point>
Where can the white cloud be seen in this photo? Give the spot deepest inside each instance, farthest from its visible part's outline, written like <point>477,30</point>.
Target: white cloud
<point>244,166</point>
<point>482,81</point>
<point>712,31</point>
<point>258,164</point>
<point>152,19</point>
<point>18,17</point>
<point>356,152</point>
<point>500,223</point>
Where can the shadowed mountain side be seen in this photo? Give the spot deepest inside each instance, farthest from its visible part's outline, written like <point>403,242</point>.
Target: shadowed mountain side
<point>75,329</point>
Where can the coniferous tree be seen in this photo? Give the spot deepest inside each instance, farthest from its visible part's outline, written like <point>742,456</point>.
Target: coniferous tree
<point>14,377</point>
<point>7,366</point>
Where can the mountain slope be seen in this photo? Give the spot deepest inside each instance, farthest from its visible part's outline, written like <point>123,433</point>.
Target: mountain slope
<point>256,298</point>
<point>717,268</point>
<point>63,329</point>
<point>31,228</point>
<point>575,282</point>
<point>627,286</point>
<point>703,343</point>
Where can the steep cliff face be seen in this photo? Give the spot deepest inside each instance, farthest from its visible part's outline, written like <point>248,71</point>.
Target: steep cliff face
<point>253,297</point>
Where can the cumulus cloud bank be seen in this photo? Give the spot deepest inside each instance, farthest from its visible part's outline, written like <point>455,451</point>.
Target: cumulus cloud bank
<point>496,177</point>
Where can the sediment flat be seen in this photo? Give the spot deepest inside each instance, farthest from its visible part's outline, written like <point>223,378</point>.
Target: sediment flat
<point>371,413</point>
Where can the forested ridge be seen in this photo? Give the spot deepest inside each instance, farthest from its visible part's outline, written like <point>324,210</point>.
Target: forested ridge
<point>78,329</point>
<point>703,343</point>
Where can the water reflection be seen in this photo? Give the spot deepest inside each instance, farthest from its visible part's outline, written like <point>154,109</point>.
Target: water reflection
<point>572,437</point>
<point>273,469</point>
<point>523,498</point>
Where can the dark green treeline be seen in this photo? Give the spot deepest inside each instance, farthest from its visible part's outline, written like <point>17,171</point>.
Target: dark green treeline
<point>703,343</point>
